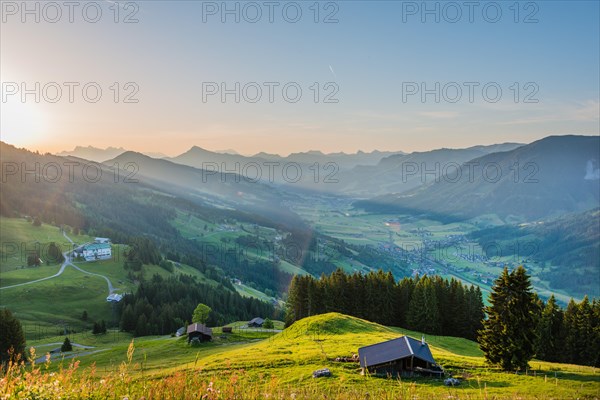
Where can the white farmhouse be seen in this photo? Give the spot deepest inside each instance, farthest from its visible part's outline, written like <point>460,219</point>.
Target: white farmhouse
<point>97,251</point>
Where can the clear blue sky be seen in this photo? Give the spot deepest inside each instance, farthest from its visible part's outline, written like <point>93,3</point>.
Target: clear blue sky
<point>371,53</point>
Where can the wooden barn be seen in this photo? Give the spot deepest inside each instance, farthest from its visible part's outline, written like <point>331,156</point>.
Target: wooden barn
<point>199,331</point>
<point>401,356</point>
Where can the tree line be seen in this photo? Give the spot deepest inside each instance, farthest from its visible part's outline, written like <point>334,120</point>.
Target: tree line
<point>428,304</point>
<point>571,335</point>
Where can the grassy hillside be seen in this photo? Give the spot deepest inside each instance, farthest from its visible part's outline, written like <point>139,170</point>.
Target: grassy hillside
<point>258,365</point>
<point>19,236</point>
<point>72,292</point>
<point>47,307</point>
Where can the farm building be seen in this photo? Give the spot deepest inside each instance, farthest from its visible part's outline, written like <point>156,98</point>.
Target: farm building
<point>114,298</point>
<point>200,332</point>
<point>96,251</point>
<point>101,240</point>
<point>401,356</point>
<point>256,322</point>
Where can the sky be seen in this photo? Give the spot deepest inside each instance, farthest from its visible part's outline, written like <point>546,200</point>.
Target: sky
<point>282,77</point>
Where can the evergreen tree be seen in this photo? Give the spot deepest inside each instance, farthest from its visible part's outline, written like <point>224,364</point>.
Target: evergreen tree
<point>585,334</point>
<point>548,345</point>
<point>55,256</point>
<point>404,291</point>
<point>141,327</point>
<point>570,332</point>
<point>128,319</point>
<point>99,328</point>
<point>12,339</point>
<point>423,308</point>
<point>595,341</point>
<point>66,346</point>
<point>508,335</point>
<point>475,314</point>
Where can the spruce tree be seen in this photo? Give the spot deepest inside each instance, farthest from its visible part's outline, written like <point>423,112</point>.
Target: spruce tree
<point>585,334</point>
<point>476,314</point>
<point>570,333</point>
<point>508,335</point>
<point>548,344</point>
<point>423,308</point>
<point>12,339</point>
<point>66,346</point>
<point>54,255</point>
<point>595,342</point>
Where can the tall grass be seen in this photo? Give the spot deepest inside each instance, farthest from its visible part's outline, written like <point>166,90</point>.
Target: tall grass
<point>27,380</point>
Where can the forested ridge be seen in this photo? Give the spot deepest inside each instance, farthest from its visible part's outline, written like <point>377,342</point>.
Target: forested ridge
<point>573,240</point>
<point>161,306</point>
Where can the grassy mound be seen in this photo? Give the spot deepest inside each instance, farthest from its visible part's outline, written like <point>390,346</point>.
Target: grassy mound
<point>334,324</point>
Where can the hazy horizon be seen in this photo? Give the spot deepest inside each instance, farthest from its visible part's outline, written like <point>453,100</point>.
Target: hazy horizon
<point>285,154</point>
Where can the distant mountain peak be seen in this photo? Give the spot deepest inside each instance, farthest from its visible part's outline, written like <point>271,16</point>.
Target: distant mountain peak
<point>93,153</point>
<point>228,151</point>
<point>263,154</point>
<point>197,148</point>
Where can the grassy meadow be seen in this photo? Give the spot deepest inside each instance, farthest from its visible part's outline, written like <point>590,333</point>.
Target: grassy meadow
<point>259,365</point>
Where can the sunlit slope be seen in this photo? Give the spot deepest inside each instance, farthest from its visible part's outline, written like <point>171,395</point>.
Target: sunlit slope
<point>322,338</point>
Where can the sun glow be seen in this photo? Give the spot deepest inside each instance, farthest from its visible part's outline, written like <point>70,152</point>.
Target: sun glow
<point>22,123</point>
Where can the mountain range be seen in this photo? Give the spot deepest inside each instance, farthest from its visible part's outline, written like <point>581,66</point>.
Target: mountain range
<point>549,177</point>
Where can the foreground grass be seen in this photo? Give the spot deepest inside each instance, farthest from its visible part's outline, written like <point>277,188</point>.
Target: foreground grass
<point>258,365</point>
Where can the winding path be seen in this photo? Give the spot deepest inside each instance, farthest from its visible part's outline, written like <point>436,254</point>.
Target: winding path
<point>81,346</point>
<point>67,261</point>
